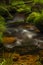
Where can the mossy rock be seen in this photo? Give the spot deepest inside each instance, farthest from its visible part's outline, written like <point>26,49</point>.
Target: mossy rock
<point>36,18</point>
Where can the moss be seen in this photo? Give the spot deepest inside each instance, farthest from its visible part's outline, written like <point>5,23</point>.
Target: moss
<point>2,24</point>
<point>32,17</point>
<point>20,6</point>
<point>38,1</point>
<point>2,27</point>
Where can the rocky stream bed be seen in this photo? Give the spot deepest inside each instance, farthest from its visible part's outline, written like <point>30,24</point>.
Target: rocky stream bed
<point>22,53</point>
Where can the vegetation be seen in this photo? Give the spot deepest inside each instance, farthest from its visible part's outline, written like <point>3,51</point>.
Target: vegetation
<point>32,7</point>
<point>33,10</point>
<point>2,27</point>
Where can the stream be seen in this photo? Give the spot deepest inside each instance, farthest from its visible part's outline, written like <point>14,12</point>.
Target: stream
<point>22,35</point>
<point>21,42</point>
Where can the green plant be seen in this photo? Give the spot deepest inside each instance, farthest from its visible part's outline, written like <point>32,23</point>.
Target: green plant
<point>30,6</point>
<point>38,1</point>
<point>20,6</point>
<point>32,17</point>
<point>2,27</point>
<point>3,62</point>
